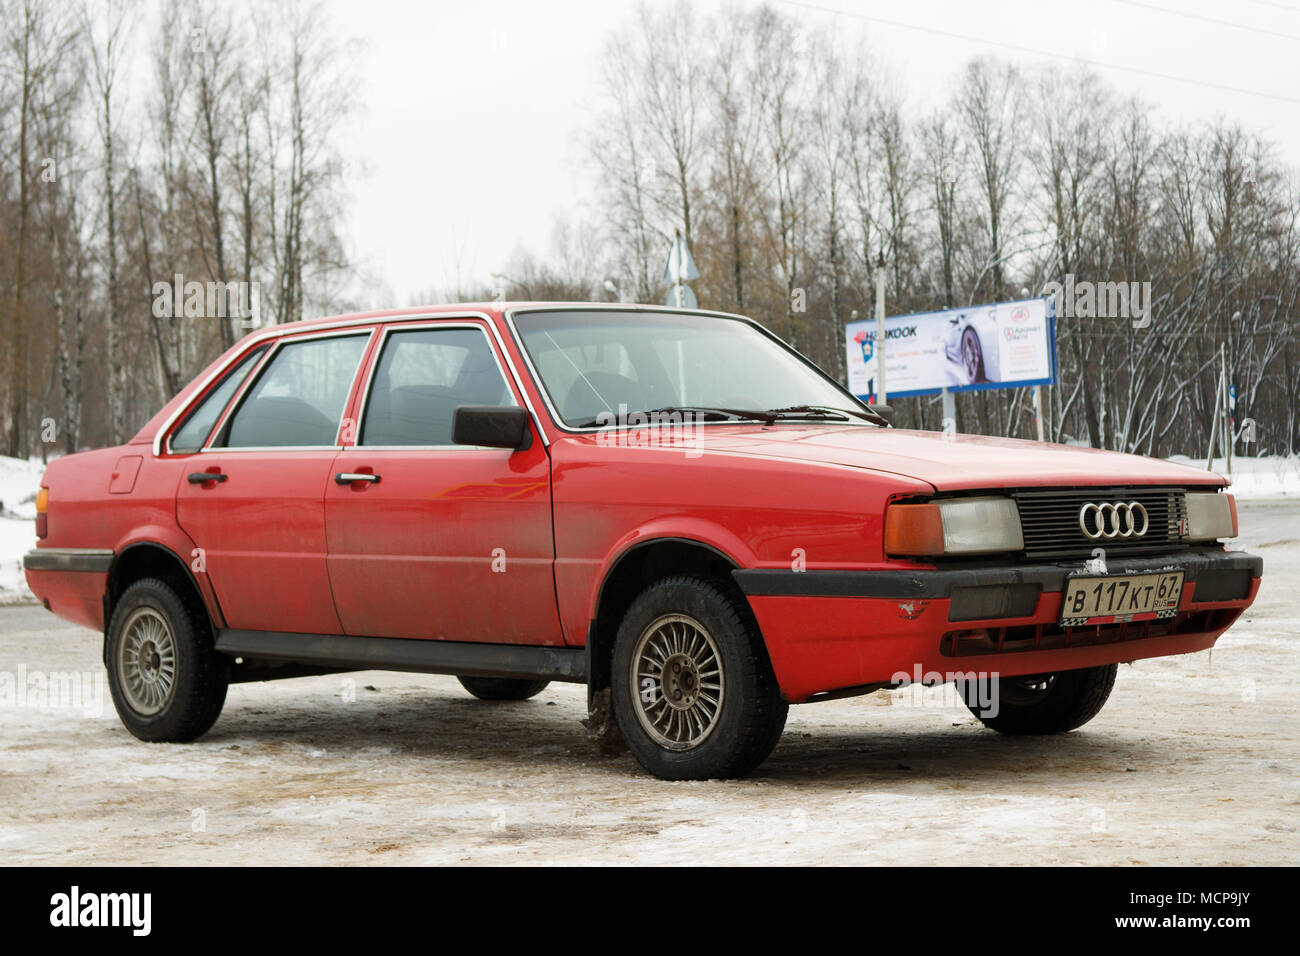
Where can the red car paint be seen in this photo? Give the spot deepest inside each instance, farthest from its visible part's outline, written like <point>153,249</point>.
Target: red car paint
<point>281,547</point>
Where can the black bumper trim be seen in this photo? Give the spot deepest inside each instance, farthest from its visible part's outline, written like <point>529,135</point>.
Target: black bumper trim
<point>68,559</point>
<point>463,658</point>
<point>939,583</point>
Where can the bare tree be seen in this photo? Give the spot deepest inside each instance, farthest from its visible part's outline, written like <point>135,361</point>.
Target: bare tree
<point>105,33</point>
<point>734,141</point>
<point>211,42</point>
<point>834,103</point>
<point>782,95</point>
<point>315,91</point>
<point>56,135</point>
<point>620,150</point>
<point>37,40</point>
<point>989,102</point>
<point>943,159</point>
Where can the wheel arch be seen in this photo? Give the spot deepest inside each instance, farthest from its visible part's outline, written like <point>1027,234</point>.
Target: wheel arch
<point>148,558</point>
<point>628,574</point>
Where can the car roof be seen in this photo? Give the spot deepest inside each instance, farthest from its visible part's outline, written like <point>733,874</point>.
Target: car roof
<point>493,308</point>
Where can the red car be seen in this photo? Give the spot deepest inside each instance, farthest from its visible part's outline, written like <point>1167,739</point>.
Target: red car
<point>672,507</point>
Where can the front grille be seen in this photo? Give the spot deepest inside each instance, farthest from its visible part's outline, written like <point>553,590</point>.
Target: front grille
<point>1049,521</point>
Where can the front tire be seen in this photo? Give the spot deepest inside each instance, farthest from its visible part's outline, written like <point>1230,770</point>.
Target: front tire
<point>167,681</point>
<point>694,693</point>
<point>1042,703</point>
<point>502,688</point>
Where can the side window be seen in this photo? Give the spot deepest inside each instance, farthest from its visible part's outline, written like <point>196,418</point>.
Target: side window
<point>298,399</point>
<point>422,376</point>
<point>198,424</point>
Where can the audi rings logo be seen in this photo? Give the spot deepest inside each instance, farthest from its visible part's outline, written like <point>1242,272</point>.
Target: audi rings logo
<point>1113,519</point>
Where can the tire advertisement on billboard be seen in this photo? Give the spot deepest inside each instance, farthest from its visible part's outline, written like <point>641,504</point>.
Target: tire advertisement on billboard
<point>1003,345</point>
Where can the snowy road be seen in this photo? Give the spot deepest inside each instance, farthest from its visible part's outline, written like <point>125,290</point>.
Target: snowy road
<point>1195,760</point>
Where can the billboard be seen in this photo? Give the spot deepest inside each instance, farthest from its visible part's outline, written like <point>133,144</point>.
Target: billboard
<point>1004,345</point>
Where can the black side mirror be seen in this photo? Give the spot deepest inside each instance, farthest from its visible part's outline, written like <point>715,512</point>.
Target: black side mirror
<point>496,426</point>
<point>884,411</point>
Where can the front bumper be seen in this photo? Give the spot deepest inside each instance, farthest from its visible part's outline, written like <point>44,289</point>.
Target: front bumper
<point>830,630</point>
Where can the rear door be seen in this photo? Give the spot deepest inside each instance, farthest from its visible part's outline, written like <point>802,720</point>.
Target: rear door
<point>254,499</point>
<point>433,540</point>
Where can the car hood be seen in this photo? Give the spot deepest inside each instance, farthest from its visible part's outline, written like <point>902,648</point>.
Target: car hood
<point>950,462</point>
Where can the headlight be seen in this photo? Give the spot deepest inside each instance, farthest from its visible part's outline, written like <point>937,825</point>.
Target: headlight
<point>1210,516</point>
<point>953,526</point>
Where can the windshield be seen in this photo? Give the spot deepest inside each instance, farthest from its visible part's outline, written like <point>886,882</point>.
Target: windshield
<point>597,364</point>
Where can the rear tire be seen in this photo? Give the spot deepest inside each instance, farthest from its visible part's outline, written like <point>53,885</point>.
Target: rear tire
<point>694,693</point>
<point>502,688</point>
<point>167,681</point>
<point>1044,703</point>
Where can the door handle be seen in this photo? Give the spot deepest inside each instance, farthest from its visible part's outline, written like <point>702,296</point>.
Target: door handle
<point>346,478</point>
<point>203,477</point>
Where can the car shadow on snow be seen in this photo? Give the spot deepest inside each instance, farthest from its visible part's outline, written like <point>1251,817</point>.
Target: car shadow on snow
<point>545,733</point>
<point>963,757</point>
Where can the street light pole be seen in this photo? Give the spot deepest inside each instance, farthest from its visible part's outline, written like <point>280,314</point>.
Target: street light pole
<point>882,396</point>
<point>1217,417</point>
<point>1227,409</point>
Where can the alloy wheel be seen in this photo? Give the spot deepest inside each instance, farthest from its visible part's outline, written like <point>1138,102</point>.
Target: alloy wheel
<point>146,661</point>
<point>677,674</point>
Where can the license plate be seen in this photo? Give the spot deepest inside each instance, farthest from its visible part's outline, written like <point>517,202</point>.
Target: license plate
<point>1116,599</point>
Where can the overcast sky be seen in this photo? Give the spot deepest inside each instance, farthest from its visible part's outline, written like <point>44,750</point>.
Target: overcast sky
<point>470,107</point>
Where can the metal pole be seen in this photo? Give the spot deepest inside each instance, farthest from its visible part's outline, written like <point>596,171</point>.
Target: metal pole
<point>1038,410</point>
<point>1227,410</point>
<point>1214,430</point>
<point>949,409</point>
<point>882,397</point>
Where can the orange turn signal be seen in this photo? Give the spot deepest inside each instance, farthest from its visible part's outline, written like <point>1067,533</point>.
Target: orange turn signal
<point>42,519</point>
<point>913,529</point>
<point>1232,510</point>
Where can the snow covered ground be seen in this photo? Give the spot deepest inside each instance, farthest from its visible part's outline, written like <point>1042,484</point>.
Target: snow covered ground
<point>19,482</point>
<point>1273,476</point>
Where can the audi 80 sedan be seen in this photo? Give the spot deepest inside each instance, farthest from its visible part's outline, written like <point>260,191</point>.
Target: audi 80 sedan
<point>672,507</point>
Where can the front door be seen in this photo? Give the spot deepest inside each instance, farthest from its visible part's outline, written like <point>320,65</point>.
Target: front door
<point>428,539</point>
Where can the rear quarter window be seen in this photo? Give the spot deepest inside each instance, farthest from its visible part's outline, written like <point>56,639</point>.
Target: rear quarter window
<point>198,424</point>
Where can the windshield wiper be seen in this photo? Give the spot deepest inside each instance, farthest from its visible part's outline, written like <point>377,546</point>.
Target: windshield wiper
<point>827,411</point>
<point>706,412</point>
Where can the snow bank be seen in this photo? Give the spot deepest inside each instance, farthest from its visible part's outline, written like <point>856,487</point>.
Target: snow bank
<point>1273,476</point>
<point>19,482</point>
